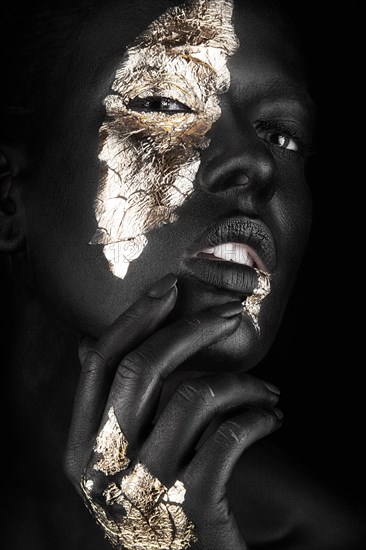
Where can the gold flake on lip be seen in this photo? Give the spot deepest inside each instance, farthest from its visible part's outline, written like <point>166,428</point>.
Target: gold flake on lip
<point>150,159</point>
<point>252,304</point>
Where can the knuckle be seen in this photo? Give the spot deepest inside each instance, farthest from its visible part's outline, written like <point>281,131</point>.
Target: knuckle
<point>138,360</point>
<point>92,363</point>
<point>230,433</point>
<point>197,393</point>
<point>201,331</point>
<point>147,354</point>
<point>192,322</point>
<point>128,368</point>
<point>136,364</point>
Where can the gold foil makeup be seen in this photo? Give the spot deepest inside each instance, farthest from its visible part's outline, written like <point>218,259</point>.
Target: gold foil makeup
<point>150,156</point>
<point>252,304</point>
<point>153,515</point>
<point>112,445</point>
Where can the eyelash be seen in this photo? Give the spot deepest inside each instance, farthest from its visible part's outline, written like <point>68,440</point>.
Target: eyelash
<point>154,104</point>
<point>270,128</point>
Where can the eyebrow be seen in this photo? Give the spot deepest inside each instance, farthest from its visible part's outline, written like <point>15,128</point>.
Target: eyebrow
<point>285,88</point>
<point>281,88</point>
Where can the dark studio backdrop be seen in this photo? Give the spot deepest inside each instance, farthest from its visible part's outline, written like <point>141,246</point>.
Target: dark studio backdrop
<point>314,359</point>
<point>317,359</point>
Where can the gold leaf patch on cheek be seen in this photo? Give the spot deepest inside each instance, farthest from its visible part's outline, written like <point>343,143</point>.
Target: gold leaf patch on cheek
<point>150,155</point>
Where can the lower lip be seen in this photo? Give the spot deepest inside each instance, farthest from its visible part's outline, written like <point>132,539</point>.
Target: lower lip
<point>238,278</point>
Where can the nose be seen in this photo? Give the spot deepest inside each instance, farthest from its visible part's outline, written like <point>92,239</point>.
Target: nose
<point>238,160</point>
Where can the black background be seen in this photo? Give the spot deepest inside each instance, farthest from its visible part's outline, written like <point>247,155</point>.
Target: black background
<point>317,357</point>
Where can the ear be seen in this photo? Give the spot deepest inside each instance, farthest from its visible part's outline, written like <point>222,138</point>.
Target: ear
<point>13,165</point>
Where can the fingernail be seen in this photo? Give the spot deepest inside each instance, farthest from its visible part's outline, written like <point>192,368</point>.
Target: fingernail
<point>162,287</point>
<point>278,413</point>
<point>272,388</point>
<point>228,310</point>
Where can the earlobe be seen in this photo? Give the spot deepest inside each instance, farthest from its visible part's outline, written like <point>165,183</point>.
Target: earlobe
<point>12,226</point>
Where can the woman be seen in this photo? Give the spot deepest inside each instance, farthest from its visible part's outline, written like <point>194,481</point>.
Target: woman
<point>157,223</point>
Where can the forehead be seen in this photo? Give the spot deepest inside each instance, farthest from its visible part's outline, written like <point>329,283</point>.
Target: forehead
<point>267,55</point>
<point>261,30</point>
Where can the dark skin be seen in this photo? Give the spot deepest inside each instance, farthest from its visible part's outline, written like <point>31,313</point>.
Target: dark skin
<point>65,285</point>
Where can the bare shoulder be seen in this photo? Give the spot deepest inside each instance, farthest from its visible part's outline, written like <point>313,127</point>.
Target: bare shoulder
<point>276,502</point>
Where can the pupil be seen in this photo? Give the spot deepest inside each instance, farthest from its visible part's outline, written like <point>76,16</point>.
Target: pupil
<point>279,139</point>
<point>155,104</point>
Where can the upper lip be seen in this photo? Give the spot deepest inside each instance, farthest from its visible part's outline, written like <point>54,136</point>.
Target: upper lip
<point>240,229</point>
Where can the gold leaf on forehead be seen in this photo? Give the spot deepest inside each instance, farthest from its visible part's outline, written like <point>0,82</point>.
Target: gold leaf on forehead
<point>150,159</point>
<point>112,445</point>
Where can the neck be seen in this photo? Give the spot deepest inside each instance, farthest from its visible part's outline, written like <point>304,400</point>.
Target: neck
<point>44,374</point>
<point>43,371</point>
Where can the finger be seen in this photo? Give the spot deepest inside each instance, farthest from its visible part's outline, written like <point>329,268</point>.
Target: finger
<point>139,378</point>
<point>85,345</point>
<point>138,322</point>
<point>213,464</point>
<point>99,361</point>
<point>194,404</point>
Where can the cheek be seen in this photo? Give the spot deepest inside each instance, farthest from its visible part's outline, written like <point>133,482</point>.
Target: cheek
<point>291,209</point>
<point>71,277</point>
<point>292,203</point>
<point>143,182</point>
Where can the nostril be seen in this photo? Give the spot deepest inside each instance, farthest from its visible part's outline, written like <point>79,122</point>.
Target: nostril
<point>223,181</point>
<point>237,179</point>
<point>242,179</point>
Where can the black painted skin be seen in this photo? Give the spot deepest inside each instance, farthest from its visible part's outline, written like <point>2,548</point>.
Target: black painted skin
<point>66,291</point>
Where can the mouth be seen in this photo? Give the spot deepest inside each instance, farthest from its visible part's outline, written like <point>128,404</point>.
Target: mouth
<point>238,253</point>
<point>230,254</point>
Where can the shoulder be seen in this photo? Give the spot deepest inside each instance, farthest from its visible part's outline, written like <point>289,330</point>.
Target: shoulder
<point>277,502</point>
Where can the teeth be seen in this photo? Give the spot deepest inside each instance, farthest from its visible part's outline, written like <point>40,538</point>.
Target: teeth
<point>231,252</point>
<point>208,250</point>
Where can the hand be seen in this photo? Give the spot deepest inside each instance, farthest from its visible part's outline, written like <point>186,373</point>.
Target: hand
<point>155,483</point>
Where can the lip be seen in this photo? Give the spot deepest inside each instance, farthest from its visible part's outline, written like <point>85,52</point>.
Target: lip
<point>238,278</point>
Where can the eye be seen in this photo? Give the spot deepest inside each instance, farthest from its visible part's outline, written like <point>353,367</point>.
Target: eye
<point>282,141</point>
<point>276,135</point>
<point>157,105</point>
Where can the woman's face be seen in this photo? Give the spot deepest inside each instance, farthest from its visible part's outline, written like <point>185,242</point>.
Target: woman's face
<point>184,153</point>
